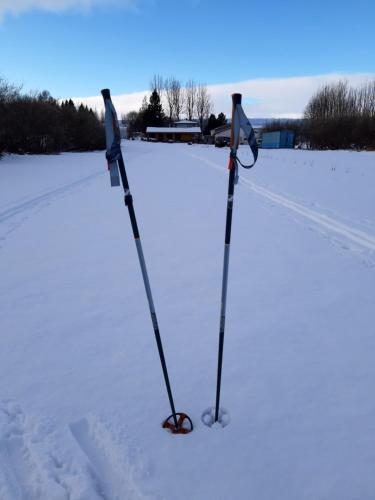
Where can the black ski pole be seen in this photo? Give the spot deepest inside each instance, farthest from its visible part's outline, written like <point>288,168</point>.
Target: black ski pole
<point>236,99</point>
<point>115,160</point>
<point>239,121</point>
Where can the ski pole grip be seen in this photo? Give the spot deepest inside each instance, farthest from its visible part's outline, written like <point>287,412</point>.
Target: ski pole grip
<point>106,94</point>
<point>236,99</point>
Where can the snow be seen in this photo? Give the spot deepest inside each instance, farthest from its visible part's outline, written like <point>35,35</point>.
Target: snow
<point>82,396</point>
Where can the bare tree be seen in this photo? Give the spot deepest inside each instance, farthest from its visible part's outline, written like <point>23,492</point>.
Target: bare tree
<point>157,83</point>
<point>339,116</point>
<point>168,87</point>
<point>131,122</point>
<point>131,116</point>
<point>178,98</point>
<point>174,97</point>
<point>8,92</point>
<point>203,104</point>
<point>190,98</point>
<point>366,99</point>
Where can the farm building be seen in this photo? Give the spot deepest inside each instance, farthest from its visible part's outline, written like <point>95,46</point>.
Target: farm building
<point>173,134</point>
<point>278,140</point>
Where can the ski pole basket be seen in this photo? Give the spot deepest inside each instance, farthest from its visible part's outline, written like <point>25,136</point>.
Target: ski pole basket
<point>184,424</point>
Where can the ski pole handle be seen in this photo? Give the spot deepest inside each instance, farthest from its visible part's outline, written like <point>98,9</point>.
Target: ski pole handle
<point>236,99</point>
<point>106,94</point>
<point>234,130</point>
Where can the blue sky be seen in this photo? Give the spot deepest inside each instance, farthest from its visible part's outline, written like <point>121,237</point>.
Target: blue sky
<point>73,50</point>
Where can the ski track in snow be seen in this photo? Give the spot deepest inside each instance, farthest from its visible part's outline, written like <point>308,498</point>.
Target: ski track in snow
<point>357,236</point>
<point>81,462</point>
<point>38,201</point>
<point>114,470</point>
<point>34,462</point>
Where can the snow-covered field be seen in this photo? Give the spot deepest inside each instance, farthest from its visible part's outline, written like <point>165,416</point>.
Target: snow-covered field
<point>81,389</point>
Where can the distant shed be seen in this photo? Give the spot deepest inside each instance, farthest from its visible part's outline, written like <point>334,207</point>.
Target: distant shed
<point>278,140</point>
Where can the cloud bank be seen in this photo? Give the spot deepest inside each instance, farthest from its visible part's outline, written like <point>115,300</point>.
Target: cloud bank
<point>262,98</point>
<point>19,6</point>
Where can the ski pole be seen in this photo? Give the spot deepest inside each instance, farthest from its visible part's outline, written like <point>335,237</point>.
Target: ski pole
<point>115,159</point>
<point>239,121</point>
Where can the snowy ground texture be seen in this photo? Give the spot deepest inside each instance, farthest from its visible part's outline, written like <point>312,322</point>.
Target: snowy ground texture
<point>81,392</point>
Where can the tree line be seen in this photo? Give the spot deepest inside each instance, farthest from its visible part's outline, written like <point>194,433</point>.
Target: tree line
<point>168,101</point>
<point>337,116</point>
<point>341,117</point>
<point>37,123</point>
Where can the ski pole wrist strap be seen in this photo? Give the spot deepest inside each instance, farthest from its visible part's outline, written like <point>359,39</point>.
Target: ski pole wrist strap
<point>113,139</point>
<point>249,134</point>
<point>240,121</point>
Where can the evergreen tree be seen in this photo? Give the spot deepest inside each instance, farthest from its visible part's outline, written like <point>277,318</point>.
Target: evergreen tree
<point>37,123</point>
<point>211,124</point>
<point>221,120</point>
<point>140,122</point>
<point>154,115</point>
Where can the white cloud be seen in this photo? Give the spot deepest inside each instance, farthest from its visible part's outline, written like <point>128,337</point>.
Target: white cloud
<point>18,6</point>
<point>278,97</point>
<point>123,102</point>
<point>262,98</point>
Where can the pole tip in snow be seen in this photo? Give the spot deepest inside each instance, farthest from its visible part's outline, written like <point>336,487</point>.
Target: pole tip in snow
<point>236,99</point>
<point>208,417</point>
<point>106,94</point>
<point>184,424</point>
